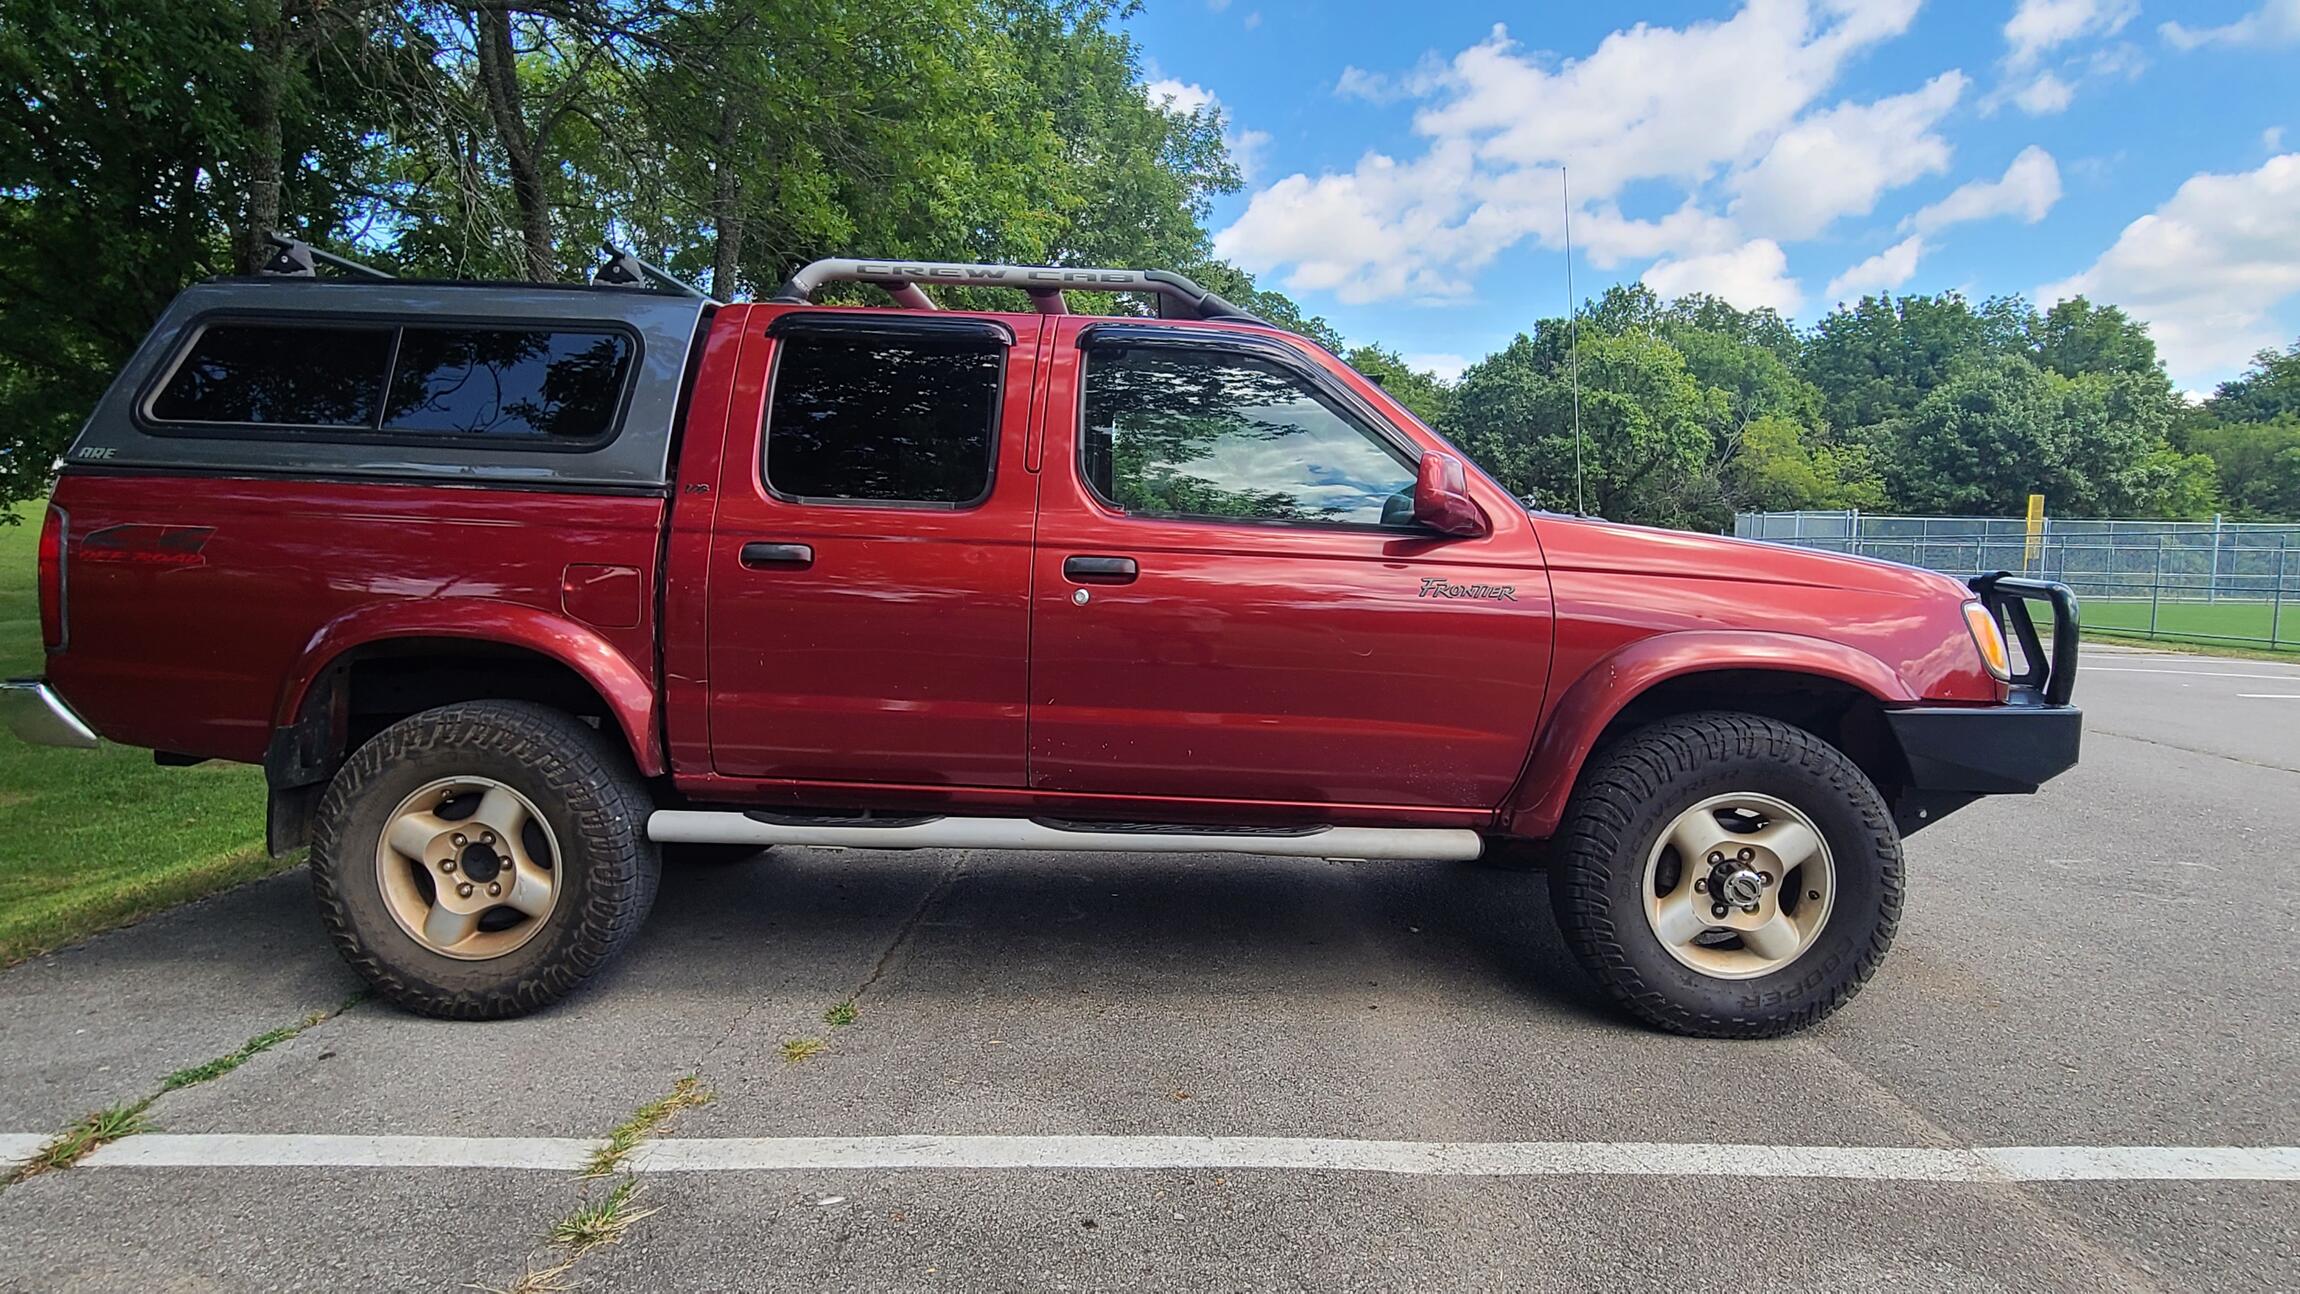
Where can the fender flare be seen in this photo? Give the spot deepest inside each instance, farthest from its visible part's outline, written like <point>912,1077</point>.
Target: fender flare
<point>1607,687</point>
<point>628,691</point>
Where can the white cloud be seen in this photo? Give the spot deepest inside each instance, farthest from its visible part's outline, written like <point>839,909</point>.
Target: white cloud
<point>1248,148</point>
<point>2044,96</point>
<point>1217,6</point>
<point>1887,269</point>
<point>2277,22</point>
<point>2041,25</point>
<point>2272,139</point>
<point>1839,162</point>
<point>2206,268</point>
<point>1751,276</point>
<point>1253,20</point>
<point>2029,188</point>
<point>1678,105</point>
<point>1180,97</point>
<point>1448,367</point>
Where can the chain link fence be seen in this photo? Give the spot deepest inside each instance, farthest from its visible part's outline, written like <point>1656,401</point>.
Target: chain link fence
<point>2202,581</point>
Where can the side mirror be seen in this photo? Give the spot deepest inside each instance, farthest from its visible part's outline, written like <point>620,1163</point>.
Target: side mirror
<point>1441,498</point>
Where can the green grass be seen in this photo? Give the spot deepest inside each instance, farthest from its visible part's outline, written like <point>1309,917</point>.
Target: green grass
<point>2226,623</point>
<point>91,839</point>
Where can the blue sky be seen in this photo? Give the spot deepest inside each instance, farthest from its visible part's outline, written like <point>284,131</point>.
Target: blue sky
<point>1403,158</point>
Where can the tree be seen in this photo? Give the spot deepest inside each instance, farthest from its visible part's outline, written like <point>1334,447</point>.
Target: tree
<point>1430,399</point>
<point>1777,468</point>
<point>2258,464</point>
<point>1645,429</point>
<point>2076,337</point>
<point>2268,390</point>
<point>1879,358</point>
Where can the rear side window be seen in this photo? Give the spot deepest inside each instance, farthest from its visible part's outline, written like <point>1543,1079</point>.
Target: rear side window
<point>507,382</point>
<point>535,387</point>
<point>279,375</point>
<point>881,419</point>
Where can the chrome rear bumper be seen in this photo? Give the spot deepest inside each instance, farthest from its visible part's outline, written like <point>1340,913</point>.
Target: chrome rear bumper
<point>36,714</point>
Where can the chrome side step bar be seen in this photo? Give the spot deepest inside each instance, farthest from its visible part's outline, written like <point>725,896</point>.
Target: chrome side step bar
<point>727,827</point>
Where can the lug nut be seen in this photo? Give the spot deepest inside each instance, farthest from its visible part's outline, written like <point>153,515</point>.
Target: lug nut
<point>447,866</point>
<point>1766,877</point>
<point>460,842</point>
<point>1746,854</point>
<point>495,890</point>
<point>487,837</point>
<point>464,890</point>
<point>1716,909</point>
<point>1715,858</point>
<point>1700,885</point>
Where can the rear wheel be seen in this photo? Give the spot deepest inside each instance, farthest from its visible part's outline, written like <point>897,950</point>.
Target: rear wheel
<point>1727,875</point>
<point>483,859</point>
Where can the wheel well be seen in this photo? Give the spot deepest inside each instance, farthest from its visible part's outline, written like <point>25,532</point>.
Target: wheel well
<point>1837,712</point>
<point>370,687</point>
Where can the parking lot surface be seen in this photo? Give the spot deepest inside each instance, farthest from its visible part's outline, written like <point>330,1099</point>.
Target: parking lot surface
<point>1218,1072</point>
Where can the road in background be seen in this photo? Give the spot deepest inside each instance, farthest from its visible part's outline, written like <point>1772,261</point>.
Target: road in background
<point>2110,963</point>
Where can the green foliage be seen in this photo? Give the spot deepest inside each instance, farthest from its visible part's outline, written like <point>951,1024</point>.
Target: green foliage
<point>2258,464</point>
<point>2269,390</point>
<point>1645,428</point>
<point>1779,468</point>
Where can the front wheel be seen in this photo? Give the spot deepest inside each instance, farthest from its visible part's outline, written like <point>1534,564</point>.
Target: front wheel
<point>1727,875</point>
<point>483,859</point>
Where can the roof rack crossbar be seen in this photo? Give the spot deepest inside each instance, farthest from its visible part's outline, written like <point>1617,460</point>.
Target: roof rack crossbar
<point>296,259</point>
<point>1178,297</point>
<point>623,270</point>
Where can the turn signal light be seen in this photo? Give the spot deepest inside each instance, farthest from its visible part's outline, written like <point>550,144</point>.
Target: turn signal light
<point>1989,636</point>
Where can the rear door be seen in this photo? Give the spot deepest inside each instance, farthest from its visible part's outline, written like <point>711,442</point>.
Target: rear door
<point>869,572</point>
<point>1233,603</point>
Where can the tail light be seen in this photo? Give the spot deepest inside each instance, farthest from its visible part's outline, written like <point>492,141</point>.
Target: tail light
<point>53,532</point>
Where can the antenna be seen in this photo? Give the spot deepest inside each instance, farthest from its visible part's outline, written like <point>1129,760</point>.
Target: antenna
<point>1573,339</point>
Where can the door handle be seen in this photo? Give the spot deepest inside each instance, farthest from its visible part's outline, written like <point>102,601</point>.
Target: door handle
<point>1099,570</point>
<point>758,554</point>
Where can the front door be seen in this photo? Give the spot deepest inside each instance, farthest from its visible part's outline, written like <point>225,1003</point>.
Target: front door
<point>870,553</point>
<point>1233,603</point>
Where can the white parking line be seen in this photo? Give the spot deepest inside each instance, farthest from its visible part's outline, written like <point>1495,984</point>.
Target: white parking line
<point>2189,673</point>
<point>1428,1158</point>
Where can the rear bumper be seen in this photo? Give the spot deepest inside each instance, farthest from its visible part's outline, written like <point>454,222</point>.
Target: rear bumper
<point>1956,754</point>
<point>35,713</point>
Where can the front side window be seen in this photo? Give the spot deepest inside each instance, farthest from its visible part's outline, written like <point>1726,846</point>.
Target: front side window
<point>1215,435</point>
<point>524,385</point>
<point>884,419</point>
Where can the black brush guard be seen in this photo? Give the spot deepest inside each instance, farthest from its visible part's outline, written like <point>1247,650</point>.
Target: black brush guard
<point>2007,596</point>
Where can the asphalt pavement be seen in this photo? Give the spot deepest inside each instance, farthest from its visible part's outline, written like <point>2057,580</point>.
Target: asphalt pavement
<point>1076,1072</point>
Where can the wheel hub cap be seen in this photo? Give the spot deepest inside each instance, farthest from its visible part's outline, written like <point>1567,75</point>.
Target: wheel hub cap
<point>468,868</point>
<point>1739,885</point>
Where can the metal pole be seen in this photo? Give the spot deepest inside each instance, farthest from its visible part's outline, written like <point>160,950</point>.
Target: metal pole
<point>2212,590</point>
<point>2275,605</point>
<point>2156,587</point>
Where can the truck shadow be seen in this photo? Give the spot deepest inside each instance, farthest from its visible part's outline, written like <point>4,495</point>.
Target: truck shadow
<point>1004,924</point>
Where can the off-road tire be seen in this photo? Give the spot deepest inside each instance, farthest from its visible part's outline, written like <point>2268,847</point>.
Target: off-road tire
<point>1628,795</point>
<point>589,795</point>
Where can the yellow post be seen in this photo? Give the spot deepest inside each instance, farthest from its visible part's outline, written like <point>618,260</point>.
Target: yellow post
<point>2035,544</point>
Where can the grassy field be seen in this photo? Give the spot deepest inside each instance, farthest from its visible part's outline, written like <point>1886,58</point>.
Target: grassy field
<point>2242,624</point>
<point>91,839</point>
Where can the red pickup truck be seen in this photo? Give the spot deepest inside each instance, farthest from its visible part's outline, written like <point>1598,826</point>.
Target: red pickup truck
<point>510,587</point>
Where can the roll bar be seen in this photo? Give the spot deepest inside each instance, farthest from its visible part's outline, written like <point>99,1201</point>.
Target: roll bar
<point>1178,297</point>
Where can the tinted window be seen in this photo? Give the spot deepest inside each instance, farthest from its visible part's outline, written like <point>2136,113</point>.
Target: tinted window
<point>507,382</point>
<point>1205,434</point>
<point>299,376</point>
<point>886,419</point>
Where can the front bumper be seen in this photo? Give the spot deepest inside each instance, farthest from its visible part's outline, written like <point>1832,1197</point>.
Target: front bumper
<point>1956,754</point>
<point>36,714</point>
